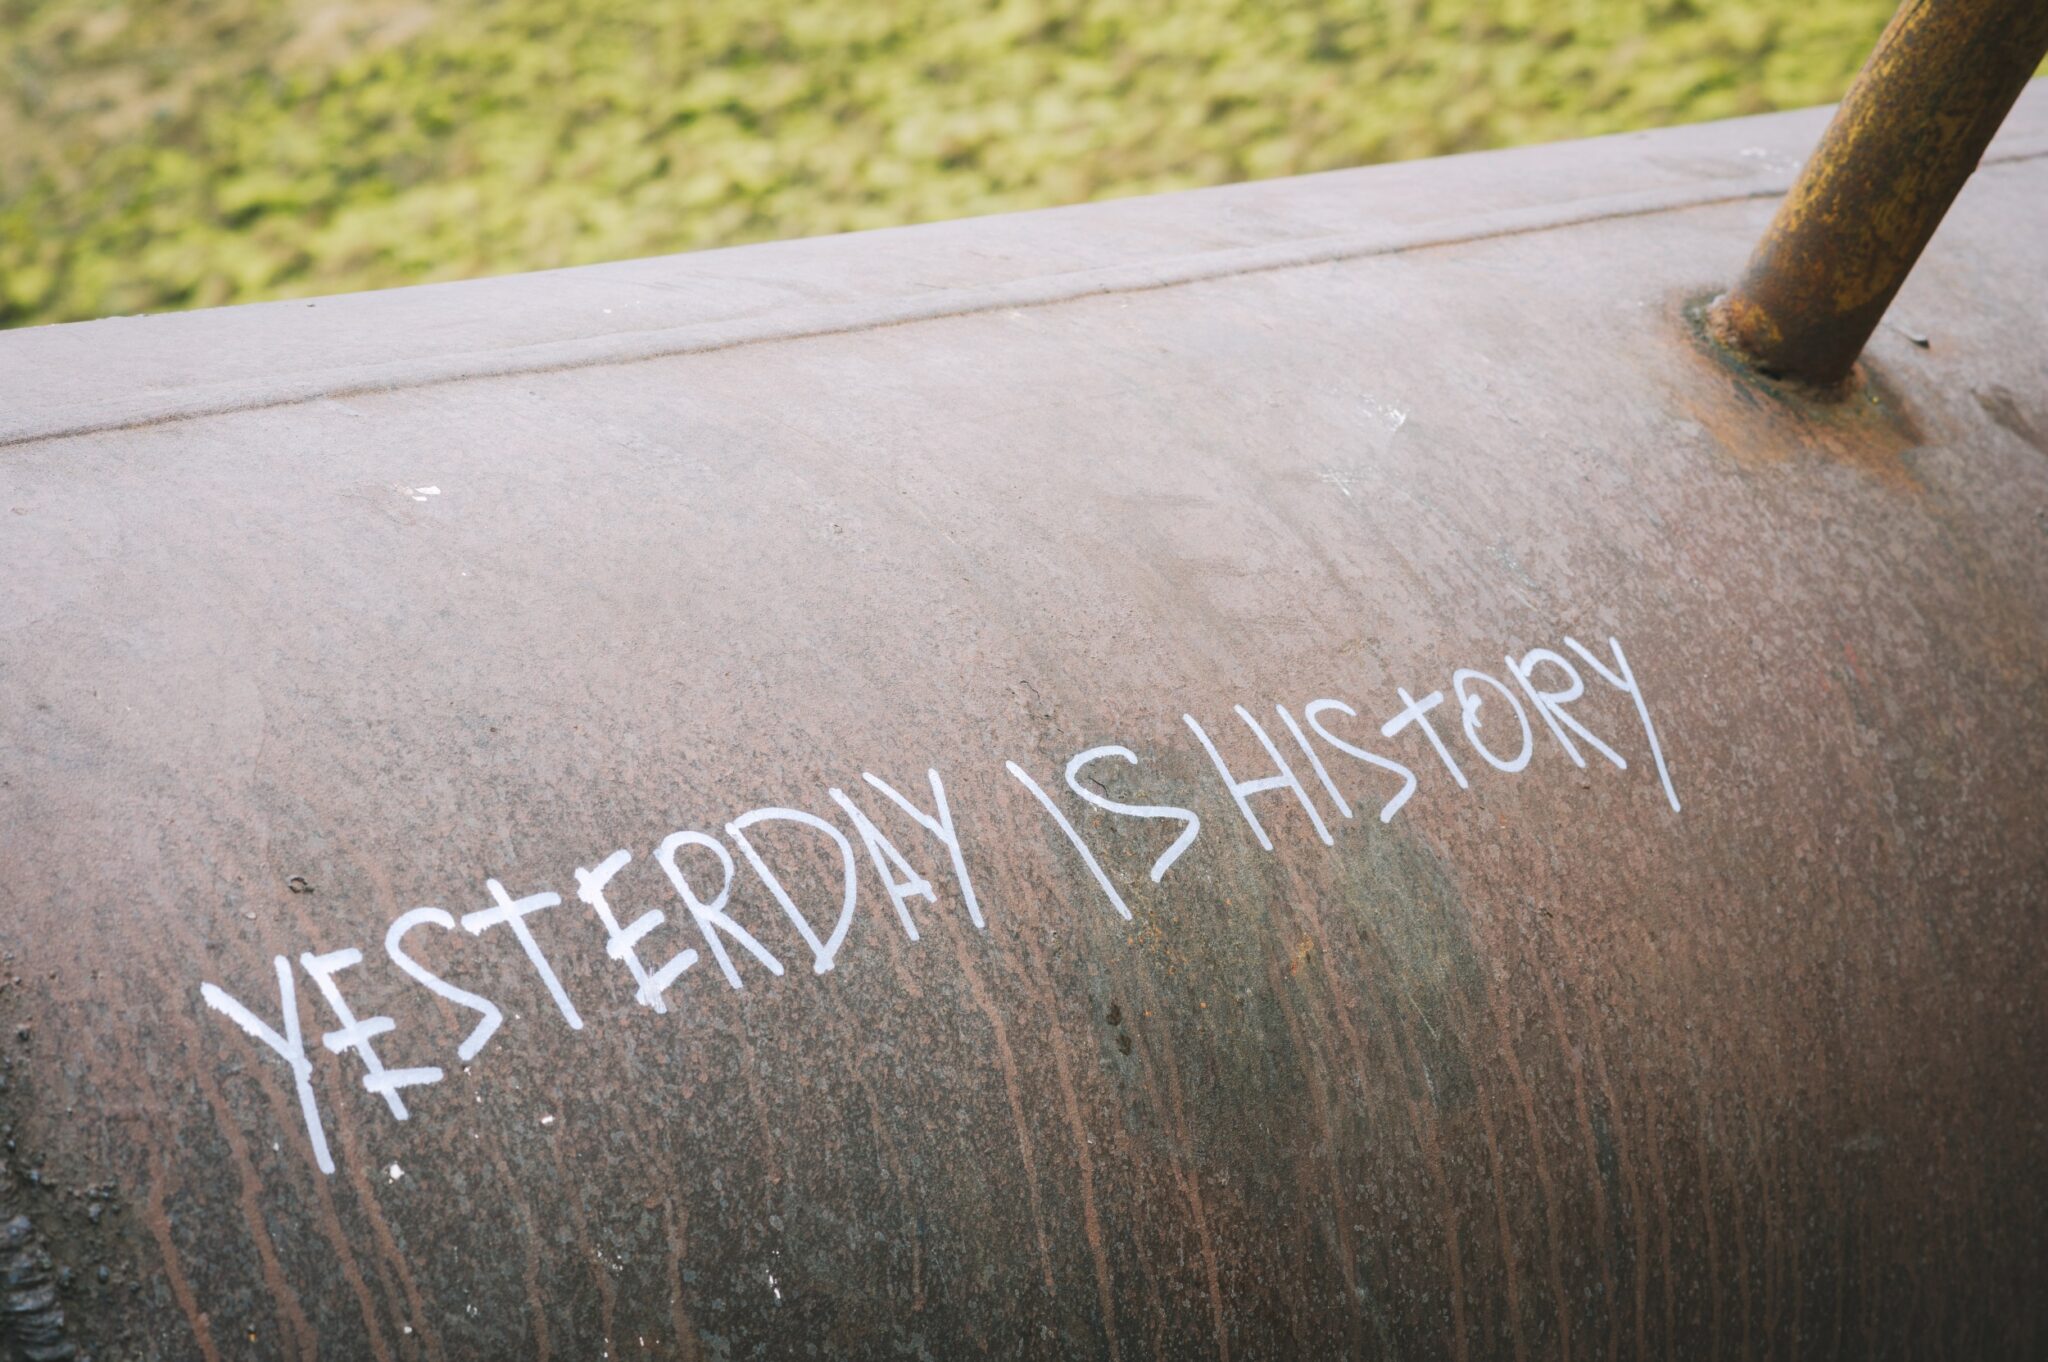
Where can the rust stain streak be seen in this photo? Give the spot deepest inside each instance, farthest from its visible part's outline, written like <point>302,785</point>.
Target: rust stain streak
<point>1654,1111</point>
<point>750,1070</point>
<point>1006,1060</point>
<point>249,1197</point>
<point>1423,1126</point>
<point>1548,1188</point>
<point>1091,1220</point>
<point>536,1302</point>
<point>1638,1213</point>
<point>1422,1120</point>
<point>1190,1180</point>
<point>600,1273</point>
<point>677,1225</point>
<point>1510,1259</point>
<point>373,1210</point>
<point>1315,1073</point>
<point>1660,1188</point>
<point>1742,1238</point>
<point>330,1216</point>
<point>675,1242</point>
<point>1038,979</point>
<point>350,1153</point>
<point>174,1269</point>
<point>1841,1223</point>
<point>1596,1183</point>
<point>1774,1244</point>
<point>284,1111</point>
<point>1303,901</point>
<point>892,1159</point>
<point>1700,1127</point>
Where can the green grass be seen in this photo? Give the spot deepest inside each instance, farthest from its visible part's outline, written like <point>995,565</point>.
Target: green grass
<point>175,153</point>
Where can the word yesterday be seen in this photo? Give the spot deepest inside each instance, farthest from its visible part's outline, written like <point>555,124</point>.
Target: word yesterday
<point>1476,696</point>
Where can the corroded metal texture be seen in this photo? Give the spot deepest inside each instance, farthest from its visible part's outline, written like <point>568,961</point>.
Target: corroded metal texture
<point>1902,144</point>
<point>31,1320</point>
<point>1695,1012</point>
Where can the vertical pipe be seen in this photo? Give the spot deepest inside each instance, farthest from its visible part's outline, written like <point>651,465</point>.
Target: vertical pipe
<point>1903,141</point>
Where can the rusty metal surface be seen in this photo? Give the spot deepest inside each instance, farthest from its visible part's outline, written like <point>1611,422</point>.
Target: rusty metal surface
<point>1564,1063</point>
<point>1902,143</point>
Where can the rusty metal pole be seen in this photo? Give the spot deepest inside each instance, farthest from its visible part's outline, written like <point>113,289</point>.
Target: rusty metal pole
<point>1907,135</point>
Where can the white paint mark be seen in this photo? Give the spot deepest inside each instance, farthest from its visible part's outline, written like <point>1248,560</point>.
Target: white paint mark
<point>1769,160</point>
<point>291,1047</point>
<point>1283,779</point>
<point>1383,413</point>
<point>1550,704</point>
<point>940,825</point>
<point>900,881</point>
<point>394,946</point>
<point>1417,711</point>
<point>623,942</point>
<point>1622,679</point>
<point>1384,420</point>
<point>1469,703</point>
<point>1314,712</point>
<point>1315,762</point>
<point>1116,900</point>
<point>395,1172</point>
<point>1191,824</point>
<point>711,917</point>
<point>356,1034</point>
<point>823,951</point>
<point>512,913</point>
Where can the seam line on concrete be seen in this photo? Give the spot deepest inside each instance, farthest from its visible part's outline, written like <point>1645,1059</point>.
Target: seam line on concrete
<point>831,319</point>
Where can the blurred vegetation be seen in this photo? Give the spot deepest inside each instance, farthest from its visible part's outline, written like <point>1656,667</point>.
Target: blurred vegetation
<point>181,153</point>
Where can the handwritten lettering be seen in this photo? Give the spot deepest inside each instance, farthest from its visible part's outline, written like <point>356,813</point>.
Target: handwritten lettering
<point>623,943</point>
<point>711,917</point>
<point>1489,711</point>
<point>1191,825</point>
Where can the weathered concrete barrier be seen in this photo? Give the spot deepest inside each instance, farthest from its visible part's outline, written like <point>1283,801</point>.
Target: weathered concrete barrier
<point>1291,770</point>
